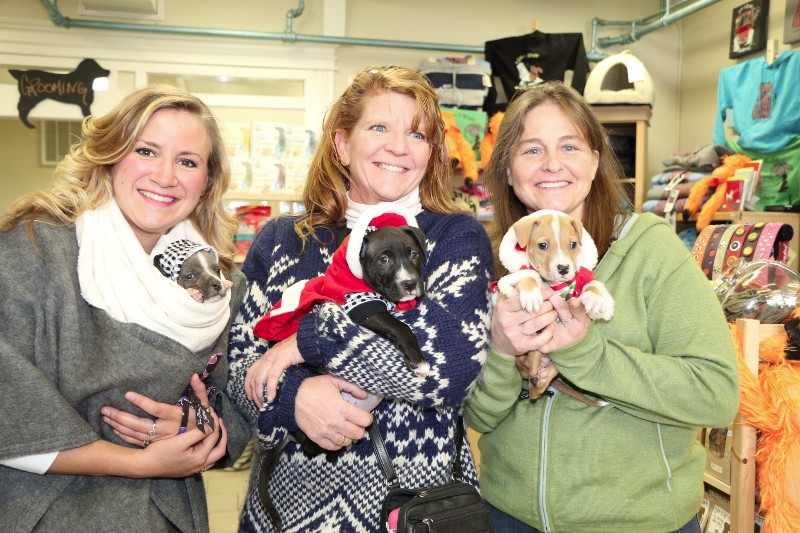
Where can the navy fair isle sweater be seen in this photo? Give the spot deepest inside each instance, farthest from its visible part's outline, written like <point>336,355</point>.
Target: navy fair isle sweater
<point>417,417</point>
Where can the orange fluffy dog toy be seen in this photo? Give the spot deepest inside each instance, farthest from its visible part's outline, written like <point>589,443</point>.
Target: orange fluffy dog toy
<point>459,149</point>
<point>487,144</point>
<point>718,178</point>
<point>771,403</point>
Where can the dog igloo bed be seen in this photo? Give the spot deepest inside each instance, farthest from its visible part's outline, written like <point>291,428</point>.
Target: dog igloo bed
<point>619,79</point>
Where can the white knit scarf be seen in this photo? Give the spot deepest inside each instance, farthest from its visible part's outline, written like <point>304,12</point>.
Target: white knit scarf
<point>410,201</point>
<point>117,276</point>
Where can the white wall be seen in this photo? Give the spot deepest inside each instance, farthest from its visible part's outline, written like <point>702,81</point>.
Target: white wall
<point>683,59</point>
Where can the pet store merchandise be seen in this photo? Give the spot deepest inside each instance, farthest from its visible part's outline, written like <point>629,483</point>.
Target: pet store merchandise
<point>718,247</point>
<point>461,82</point>
<point>620,79</point>
<point>764,105</point>
<point>523,61</point>
<point>753,467</point>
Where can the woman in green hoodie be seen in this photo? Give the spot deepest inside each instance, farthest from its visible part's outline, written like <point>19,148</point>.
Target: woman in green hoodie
<point>664,364</point>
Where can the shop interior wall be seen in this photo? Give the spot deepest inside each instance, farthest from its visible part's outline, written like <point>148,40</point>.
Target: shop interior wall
<point>447,21</point>
<point>706,37</point>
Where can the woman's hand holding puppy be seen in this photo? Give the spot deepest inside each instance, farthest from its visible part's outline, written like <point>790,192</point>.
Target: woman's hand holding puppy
<point>183,455</point>
<point>263,376</point>
<point>530,337</point>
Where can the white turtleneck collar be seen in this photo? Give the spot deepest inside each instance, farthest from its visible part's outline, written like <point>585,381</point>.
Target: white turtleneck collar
<point>410,201</point>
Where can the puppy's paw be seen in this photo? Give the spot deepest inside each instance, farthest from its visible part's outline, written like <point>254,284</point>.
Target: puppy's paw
<point>196,294</point>
<point>422,370</point>
<point>531,301</point>
<point>597,301</point>
<point>506,287</point>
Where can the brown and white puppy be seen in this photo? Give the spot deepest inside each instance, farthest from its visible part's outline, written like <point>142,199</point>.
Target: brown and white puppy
<point>195,267</point>
<point>551,247</point>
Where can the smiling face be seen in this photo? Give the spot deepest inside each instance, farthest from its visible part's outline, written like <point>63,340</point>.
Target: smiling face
<point>159,183</point>
<point>552,166</point>
<point>386,157</point>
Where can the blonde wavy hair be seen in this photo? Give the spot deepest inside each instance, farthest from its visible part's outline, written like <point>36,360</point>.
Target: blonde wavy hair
<point>325,193</point>
<point>606,197</point>
<point>82,179</point>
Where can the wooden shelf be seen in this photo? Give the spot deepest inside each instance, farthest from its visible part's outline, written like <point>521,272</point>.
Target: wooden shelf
<point>742,489</point>
<point>716,483</point>
<point>631,121</point>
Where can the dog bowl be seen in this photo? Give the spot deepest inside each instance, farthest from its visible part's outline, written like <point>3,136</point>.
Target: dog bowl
<point>764,290</point>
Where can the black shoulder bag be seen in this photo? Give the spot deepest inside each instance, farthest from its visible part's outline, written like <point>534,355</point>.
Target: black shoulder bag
<point>455,507</point>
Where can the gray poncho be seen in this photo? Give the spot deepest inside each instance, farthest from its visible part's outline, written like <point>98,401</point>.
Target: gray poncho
<point>61,360</point>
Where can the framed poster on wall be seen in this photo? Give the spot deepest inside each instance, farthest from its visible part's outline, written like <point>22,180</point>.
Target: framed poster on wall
<point>791,22</point>
<point>749,28</point>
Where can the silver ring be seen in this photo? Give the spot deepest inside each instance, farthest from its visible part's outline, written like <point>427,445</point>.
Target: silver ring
<point>146,442</point>
<point>568,321</point>
<point>152,431</point>
<point>522,327</point>
<point>341,442</point>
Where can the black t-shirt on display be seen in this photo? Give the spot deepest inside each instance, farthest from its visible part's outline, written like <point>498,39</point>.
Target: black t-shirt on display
<point>522,62</point>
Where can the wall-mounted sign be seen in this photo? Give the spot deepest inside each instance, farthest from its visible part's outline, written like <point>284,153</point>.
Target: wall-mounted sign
<point>72,88</point>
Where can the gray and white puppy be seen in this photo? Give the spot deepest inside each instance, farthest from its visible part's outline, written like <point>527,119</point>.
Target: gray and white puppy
<point>195,267</point>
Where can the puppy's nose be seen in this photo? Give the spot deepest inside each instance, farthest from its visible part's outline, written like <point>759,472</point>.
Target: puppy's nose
<point>563,269</point>
<point>217,286</point>
<point>409,284</point>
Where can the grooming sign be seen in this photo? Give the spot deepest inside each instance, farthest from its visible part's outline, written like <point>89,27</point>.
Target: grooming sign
<point>73,87</point>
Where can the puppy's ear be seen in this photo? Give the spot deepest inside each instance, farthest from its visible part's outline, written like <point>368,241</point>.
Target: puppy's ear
<point>363,250</point>
<point>418,236</point>
<point>578,227</point>
<point>157,262</point>
<point>522,230</point>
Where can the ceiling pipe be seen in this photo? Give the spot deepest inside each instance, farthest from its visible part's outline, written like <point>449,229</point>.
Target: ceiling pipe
<point>666,18</point>
<point>288,36</point>
<point>665,15</point>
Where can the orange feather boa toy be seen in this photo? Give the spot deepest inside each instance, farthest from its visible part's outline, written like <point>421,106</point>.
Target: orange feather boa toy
<point>487,144</point>
<point>459,149</point>
<point>718,178</point>
<point>771,403</point>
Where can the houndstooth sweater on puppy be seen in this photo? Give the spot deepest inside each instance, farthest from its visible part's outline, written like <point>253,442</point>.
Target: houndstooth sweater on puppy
<point>417,417</point>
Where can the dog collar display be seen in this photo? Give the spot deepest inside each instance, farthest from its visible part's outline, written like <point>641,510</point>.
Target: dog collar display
<point>724,242</point>
<point>719,246</point>
<point>712,249</point>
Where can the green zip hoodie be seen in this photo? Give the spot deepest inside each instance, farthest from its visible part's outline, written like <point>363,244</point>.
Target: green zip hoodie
<point>666,364</point>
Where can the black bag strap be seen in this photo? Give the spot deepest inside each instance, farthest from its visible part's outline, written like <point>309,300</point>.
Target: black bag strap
<point>386,462</point>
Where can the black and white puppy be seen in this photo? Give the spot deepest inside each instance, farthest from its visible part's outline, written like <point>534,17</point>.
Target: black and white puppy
<point>391,259</point>
<point>195,267</point>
